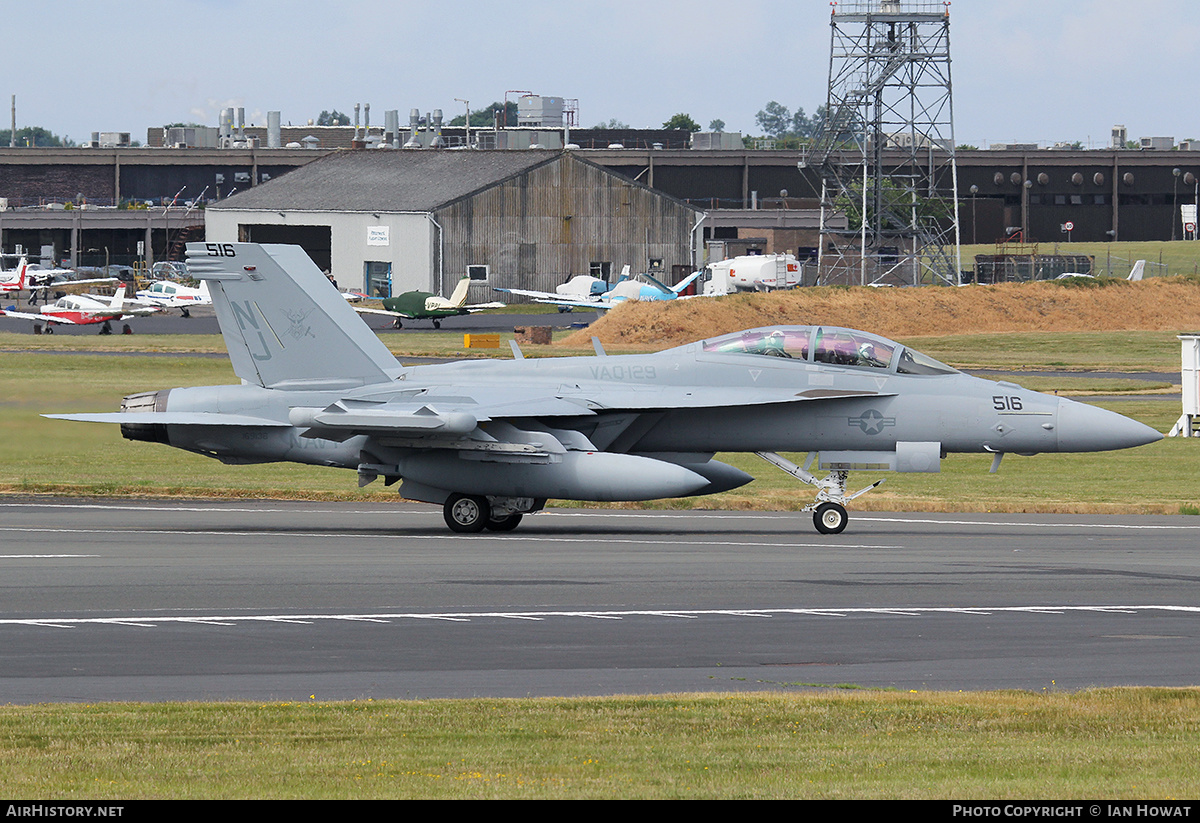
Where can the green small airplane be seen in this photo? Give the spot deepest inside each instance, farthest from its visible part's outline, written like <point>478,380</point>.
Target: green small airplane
<point>421,305</point>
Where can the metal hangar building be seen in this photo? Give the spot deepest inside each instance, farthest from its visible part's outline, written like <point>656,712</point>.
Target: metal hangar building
<point>388,222</point>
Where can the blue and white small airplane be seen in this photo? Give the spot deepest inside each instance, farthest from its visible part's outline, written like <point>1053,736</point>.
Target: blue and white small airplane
<point>585,292</point>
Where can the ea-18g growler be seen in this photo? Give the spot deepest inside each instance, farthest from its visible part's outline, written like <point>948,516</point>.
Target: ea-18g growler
<point>493,440</point>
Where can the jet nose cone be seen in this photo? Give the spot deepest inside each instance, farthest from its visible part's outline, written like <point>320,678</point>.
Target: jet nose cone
<point>1085,428</point>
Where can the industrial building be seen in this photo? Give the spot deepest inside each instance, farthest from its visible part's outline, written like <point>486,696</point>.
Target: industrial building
<point>395,221</point>
<point>1109,194</point>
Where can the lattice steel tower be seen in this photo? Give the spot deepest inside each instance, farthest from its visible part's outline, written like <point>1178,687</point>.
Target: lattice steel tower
<point>886,150</point>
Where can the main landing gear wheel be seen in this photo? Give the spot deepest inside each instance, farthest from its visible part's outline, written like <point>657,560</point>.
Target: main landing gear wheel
<point>830,518</point>
<point>437,324</point>
<point>504,524</point>
<point>466,513</point>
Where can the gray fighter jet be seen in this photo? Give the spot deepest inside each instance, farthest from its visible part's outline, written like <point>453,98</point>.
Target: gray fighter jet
<point>492,440</point>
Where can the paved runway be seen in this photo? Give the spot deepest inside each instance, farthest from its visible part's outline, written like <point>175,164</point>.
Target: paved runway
<point>144,600</point>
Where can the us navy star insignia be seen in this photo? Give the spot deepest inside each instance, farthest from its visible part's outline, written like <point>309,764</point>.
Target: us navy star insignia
<point>871,421</point>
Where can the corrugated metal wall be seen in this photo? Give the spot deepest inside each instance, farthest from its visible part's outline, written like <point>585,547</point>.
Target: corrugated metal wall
<point>544,226</point>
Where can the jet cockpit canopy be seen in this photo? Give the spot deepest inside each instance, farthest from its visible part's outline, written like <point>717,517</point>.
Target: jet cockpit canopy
<point>830,345</point>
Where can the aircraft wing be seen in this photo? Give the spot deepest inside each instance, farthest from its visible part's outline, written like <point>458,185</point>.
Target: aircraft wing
<point>51,284</point>
<point>148,301</point>
<point>365,310</point>
<point>433,416</point>
<point>172,418</point>
<point>484,306</point>
<point>634,398</point>
<point>432,413</point>
<point>551,297</point>
<point>582,304</point>
<point>43,317</point>
<point>558,300</point>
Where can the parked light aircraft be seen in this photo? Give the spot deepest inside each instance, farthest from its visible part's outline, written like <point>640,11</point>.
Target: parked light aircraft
<point>14,279</point>
<point>1135,274</point>
<point>27,276</point>
<point>84,309</point>
<point>171,295</point>
<point>581,291</point>
<point>421,305</point>
<point>492,440</point>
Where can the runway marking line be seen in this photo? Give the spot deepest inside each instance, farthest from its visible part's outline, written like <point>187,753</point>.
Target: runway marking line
<point>524,538</point>
<point>154,621</point>
<point>43,556</point>
<point>608,514</point>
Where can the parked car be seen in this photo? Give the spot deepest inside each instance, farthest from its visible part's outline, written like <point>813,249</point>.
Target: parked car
<point>175,270</point>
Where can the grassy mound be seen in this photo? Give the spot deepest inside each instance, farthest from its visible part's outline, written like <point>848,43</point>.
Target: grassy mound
<point>1159,304</point>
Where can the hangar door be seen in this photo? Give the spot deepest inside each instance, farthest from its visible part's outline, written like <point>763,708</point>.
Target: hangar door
<point>316,240</point>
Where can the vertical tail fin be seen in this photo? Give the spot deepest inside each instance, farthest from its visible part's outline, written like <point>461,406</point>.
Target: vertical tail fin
<point>459,298</point>
<point>284,323</point>
<point>18,278</point>
<point>1137,270</point>
<point>685,282</point>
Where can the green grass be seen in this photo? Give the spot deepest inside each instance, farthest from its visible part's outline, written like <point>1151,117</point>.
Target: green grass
<point>1133,351</point>
<point>1112,743</point>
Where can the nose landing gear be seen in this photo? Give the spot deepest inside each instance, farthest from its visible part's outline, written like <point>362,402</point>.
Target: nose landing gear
<point>829,510</point>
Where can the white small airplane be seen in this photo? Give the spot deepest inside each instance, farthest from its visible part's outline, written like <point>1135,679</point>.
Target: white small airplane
<point>170,295</point>
<point>582,292</point>
<point>84,309</point>
<point>14,279</point>
<point>28,276</point>
<point>1135,274</point>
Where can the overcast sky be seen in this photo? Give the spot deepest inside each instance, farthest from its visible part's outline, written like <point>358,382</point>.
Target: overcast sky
<point>1023,70</point>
